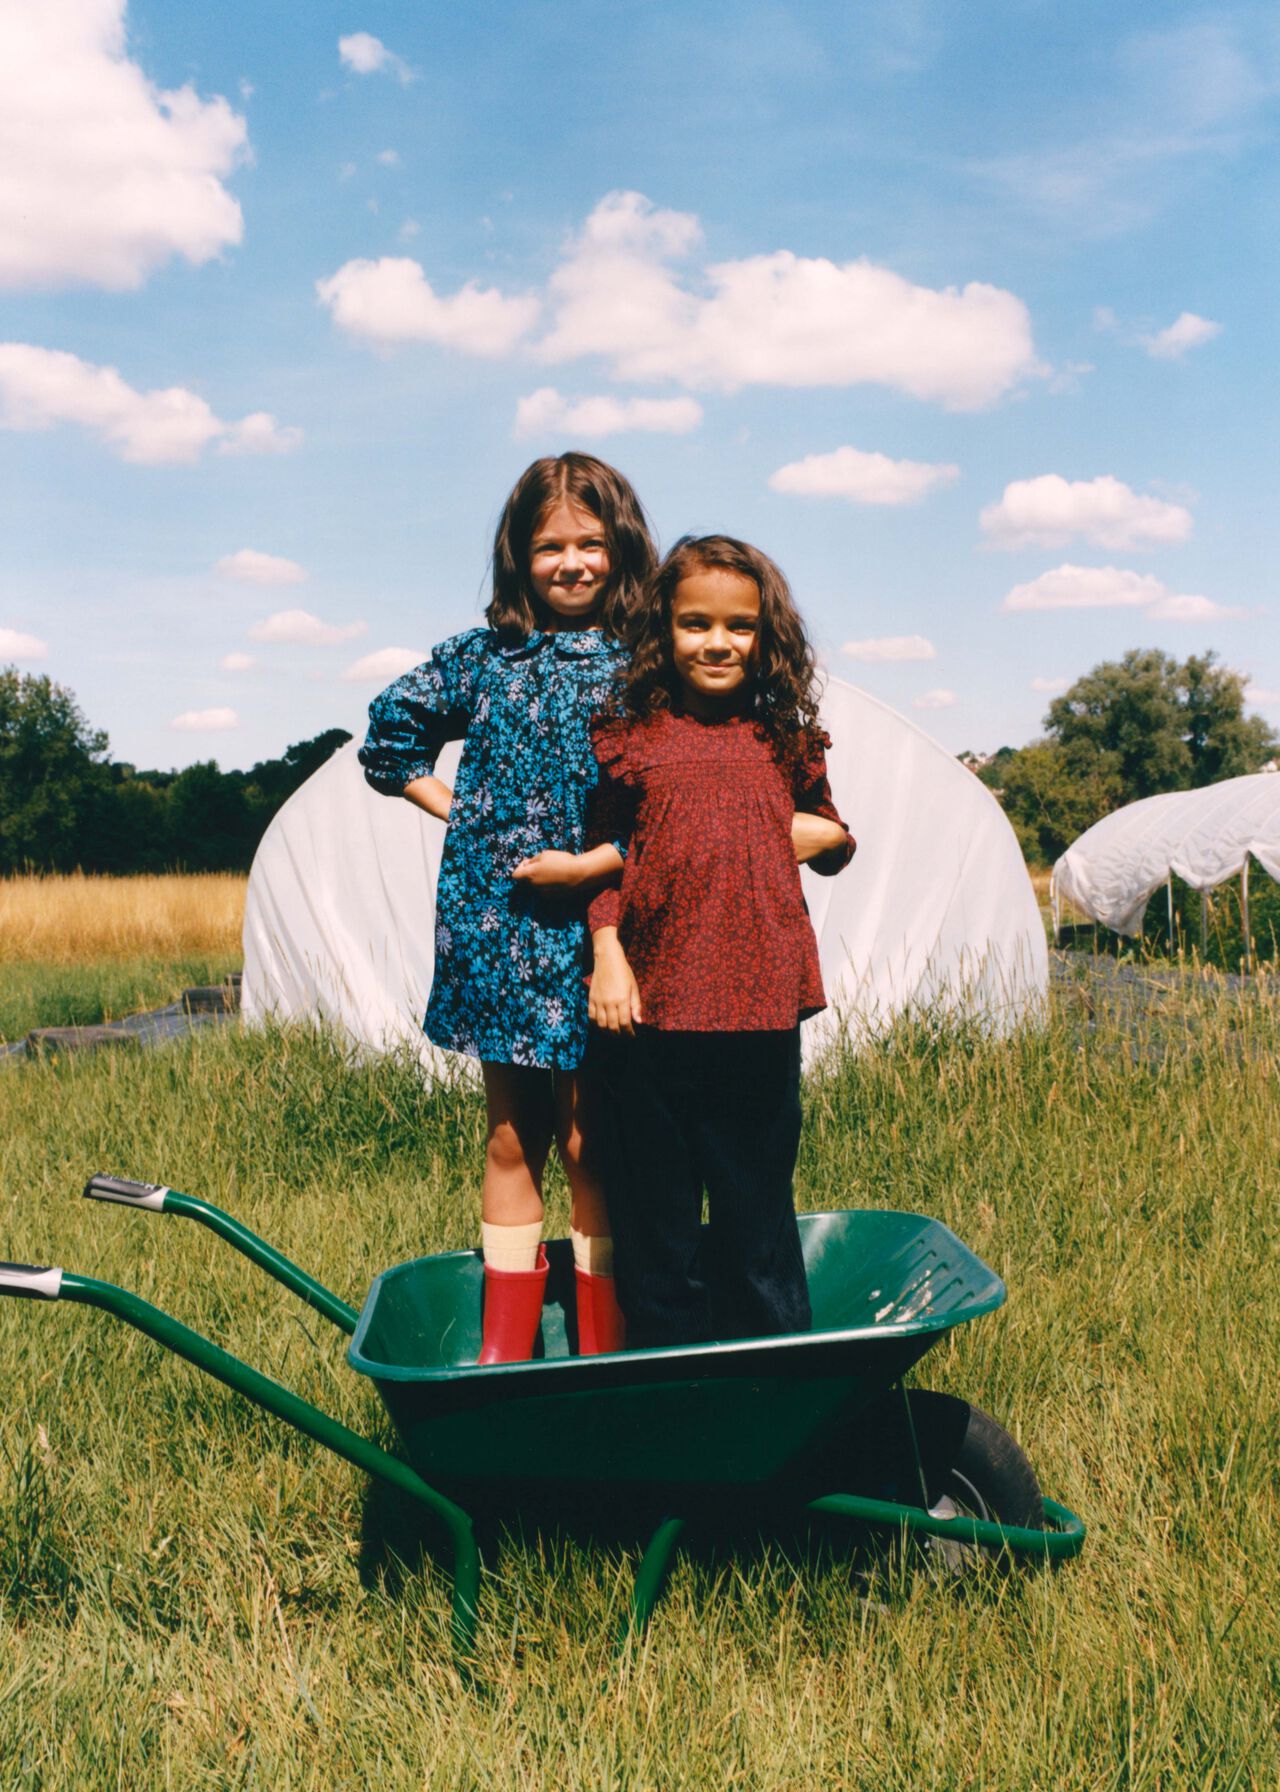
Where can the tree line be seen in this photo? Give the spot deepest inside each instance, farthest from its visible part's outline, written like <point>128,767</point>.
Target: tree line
<point>1130,728</point>
<point>66,805</point>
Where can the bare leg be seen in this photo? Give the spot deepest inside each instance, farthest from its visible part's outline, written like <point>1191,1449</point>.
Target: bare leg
<point>522,1119</point>
<point>573,1134</point>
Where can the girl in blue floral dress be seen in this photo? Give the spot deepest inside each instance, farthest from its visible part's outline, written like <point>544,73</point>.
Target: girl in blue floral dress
<point>570,558</point>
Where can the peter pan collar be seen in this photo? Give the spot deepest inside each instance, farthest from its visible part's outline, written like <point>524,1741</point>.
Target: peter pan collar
<point>570,643</point>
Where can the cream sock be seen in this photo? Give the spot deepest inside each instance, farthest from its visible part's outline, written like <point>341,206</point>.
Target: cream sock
<point>594,1256</point>
<point>511,1248</point>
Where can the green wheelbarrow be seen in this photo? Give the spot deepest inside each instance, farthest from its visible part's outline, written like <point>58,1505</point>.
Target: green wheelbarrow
<point>818,1422</point>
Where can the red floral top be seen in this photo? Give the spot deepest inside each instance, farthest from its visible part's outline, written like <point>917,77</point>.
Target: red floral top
<point>709,913</point>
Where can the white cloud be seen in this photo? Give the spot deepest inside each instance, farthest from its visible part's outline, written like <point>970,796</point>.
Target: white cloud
<point>891,647</point>
<point>251,567</point>
<point>389,158</point>
<point>776,319</point>
<point>1176,607</point>
<point>1187,332</point>
<point>409,229</point>
<point>1049,510</point>
<point>206,721</point>
<point>299,628</point>
<point>40,387</point>
<point>1264,699</point>
<point>1111,588</point>
<point>237,662</point>
<point>384,665</point>
<point>939,699</point>
<point>1050,687</point>
<point>368,55</point>
<point>104,176</point>
<point>258,433</point>
<point>391,301</point>
<point>862,478</point>
<point>14,645</point>
<point>546,410</point>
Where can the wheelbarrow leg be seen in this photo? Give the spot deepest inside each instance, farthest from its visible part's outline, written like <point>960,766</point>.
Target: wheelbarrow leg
<point>650,1576</point>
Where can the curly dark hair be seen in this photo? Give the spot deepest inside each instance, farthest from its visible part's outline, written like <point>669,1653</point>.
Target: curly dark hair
<point>514,611</point>
<point>783,694</point>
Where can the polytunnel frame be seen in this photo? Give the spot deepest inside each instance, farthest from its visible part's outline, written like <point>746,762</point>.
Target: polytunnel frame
<point>1246,936</point>
<point>1240,819</point>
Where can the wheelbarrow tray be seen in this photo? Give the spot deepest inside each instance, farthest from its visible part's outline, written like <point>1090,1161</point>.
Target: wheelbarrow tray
<point>883,1287</point>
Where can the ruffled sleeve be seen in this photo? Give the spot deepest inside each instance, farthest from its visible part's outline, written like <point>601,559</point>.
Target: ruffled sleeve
<point>611,810</point>
<point>812,794</point>
<point>412,719</point>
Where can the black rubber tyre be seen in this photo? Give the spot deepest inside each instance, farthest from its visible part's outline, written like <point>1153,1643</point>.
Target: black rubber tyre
<point>972,1468</point>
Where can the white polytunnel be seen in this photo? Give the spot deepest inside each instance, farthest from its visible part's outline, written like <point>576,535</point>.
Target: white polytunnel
<point>936,908</point>
<point>1202,836</point>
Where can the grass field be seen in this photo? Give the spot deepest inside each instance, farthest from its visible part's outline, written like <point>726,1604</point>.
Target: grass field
<point>192,1596</point>
<point>78,950</point>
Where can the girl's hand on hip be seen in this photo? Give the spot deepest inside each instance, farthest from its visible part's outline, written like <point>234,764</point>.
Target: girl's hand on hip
<point>550,870</point>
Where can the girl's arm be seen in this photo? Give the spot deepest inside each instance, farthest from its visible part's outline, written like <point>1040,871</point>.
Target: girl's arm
<point>613,1001</point>
<point>820,838</point>
<point>431,794</point>
<point>608,823</point>
<point>412,719</point>
<point>551,870</point>
<point>815,837</point>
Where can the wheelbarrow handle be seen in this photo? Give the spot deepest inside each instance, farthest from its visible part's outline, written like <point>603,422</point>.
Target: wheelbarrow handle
<point>158,1198</point>
<point>29,1281</point>
<point>129,1194</point>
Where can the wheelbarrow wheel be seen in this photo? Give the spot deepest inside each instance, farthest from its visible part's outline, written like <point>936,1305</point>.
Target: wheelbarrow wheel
<point>974,1469</point>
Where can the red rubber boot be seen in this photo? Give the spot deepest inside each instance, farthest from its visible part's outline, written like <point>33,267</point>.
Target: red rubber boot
<point>512,1312</point>
<point>601,1326</point>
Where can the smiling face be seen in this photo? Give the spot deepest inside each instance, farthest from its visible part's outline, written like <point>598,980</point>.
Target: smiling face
<point>715,627</point>
<point>569,564</point>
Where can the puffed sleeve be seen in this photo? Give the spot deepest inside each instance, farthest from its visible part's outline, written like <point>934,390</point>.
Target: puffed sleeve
<point>611,811</point>
<point>812,794</point>
<point>412,719</point>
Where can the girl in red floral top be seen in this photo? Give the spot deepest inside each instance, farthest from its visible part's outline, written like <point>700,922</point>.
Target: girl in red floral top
<point>713,781</point>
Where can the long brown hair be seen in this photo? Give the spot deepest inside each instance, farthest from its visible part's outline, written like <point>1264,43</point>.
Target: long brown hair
<point>514,611</point>
<point>782,696</point>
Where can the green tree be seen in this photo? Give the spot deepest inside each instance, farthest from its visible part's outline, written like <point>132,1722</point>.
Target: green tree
<point>52,773</point>
<point>1128,729</point>
<point>1130,714</point>
<point>1053,793</point>
<point>1222,740</point>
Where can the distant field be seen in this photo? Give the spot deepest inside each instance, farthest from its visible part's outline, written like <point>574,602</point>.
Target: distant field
<point>78,950</point>
<point>78,920</point>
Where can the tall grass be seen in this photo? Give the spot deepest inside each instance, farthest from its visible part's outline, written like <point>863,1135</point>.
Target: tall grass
<point>60,995</point>
<point>76,920</point>
<point>192,1596</point>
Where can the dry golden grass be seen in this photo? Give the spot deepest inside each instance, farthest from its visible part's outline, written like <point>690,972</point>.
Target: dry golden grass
<point>75,920</point>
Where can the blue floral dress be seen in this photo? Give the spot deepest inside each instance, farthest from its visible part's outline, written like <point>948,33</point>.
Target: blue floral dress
<point>508,958</point>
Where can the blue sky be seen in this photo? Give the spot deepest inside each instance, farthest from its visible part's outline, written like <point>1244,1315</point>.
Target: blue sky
<point>966,314</point>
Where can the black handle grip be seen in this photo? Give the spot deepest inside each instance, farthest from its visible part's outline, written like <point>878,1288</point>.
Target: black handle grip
<point>129,1194</point>
<point>29,1281</point>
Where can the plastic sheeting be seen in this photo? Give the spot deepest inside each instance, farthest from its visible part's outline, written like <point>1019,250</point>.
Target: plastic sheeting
<point>936,907</point>
<point>1202,836</point>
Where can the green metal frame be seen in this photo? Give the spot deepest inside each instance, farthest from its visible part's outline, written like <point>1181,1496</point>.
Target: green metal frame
<point>258,1251</point>
<point>1064,1540</point>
